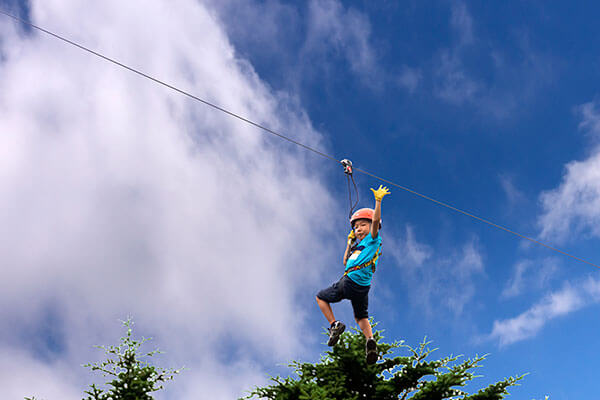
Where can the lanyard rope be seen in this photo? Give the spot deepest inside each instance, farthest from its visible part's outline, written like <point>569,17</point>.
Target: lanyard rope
<point>348,170</point>
<point>352,206</point>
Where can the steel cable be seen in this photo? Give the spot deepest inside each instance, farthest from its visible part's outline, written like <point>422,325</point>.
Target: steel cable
<point>266,129</point>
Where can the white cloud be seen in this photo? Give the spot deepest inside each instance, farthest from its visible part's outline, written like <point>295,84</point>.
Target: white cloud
<point>464,266</point>
<point>336,30</point>
<point>511,82</point>
<point>410,78</point>
<point>119,197</point>
<point>268,28</point>
<point>435,281</point>
<point>530,274</point>
<point>515,285</point>
<point>454,84</point>
<point>574,206</point>
<point>462,22</point>
<point>513,194</point>
<point>305,41</point>
<point>471,260</point>
<point>564,301</point>
<point>590,121</point>
<point>414,252</point>
<point>26,376</point>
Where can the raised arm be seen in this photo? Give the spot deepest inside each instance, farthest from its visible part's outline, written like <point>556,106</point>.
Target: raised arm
<point>378,194</point>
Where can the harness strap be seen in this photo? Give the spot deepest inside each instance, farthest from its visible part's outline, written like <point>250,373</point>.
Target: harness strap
<point>370,263</point>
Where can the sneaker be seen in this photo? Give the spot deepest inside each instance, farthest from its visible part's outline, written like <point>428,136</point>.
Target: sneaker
<point>335,331</point>
<point>371,349</point>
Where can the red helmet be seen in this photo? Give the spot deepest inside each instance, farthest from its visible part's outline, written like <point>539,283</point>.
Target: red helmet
<point>363,213</point>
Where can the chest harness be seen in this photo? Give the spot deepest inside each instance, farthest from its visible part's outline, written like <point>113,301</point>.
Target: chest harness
<point>371,263</point>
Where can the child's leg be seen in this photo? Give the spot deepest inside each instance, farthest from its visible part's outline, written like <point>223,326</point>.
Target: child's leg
<point>336,327</point>
<point>371,345</point>
<point>326,310</point>
<point>360,305</point>
<point>365,326</point>
<point>329,295</point>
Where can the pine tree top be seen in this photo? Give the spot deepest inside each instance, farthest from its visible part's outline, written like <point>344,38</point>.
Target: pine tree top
<point>342,374</point>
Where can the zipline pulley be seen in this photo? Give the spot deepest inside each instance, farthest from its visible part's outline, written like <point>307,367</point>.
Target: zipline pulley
<point>347,164</point>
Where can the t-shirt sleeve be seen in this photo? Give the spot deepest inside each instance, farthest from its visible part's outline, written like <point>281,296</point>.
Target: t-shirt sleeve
<point>374,240</point>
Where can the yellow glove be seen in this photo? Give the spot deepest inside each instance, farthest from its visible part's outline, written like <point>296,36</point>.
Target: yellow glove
<point>351,236</point>
<point>379,193</point>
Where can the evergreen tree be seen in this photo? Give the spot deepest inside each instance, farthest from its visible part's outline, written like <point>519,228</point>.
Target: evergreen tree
<point>131,378</point>
<point>342,374</point>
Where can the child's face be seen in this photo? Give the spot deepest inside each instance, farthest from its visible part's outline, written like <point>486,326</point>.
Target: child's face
<point>361,228</point>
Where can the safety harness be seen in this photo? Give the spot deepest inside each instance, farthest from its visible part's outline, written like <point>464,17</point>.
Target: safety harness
<point>371,263</point>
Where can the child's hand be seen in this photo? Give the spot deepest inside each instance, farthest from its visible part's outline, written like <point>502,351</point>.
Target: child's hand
<point>379,193</point>
<point>351,236</point>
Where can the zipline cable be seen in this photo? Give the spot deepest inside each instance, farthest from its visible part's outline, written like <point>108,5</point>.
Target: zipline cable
<point>264,128</point>
<point>485,221</point>
<point>183,92</point>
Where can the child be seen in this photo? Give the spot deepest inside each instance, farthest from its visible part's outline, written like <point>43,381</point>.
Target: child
<point>360,260</point>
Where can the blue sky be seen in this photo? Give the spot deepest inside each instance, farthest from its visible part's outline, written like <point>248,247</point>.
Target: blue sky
<point>492,108</point>
<point>476,104</point>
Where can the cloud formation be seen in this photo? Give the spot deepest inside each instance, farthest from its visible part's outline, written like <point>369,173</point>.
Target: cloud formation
<point>511,82</point>
<point>528,274</point>
<point>334,30</point>
<point>119,197</point>
<point>453,83</point>
<point>302,42</point>
<point>562,302</point>
<point>462,22</point>
<point>573,207</point>
<point>410,78</point>
<point>513,194</point>
<point>434,280</point>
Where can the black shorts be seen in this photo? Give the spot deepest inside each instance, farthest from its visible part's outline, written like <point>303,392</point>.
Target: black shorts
<point>346,288</point>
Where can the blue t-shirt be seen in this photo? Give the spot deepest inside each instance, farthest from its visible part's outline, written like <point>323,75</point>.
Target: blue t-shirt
<point>362,253</point>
